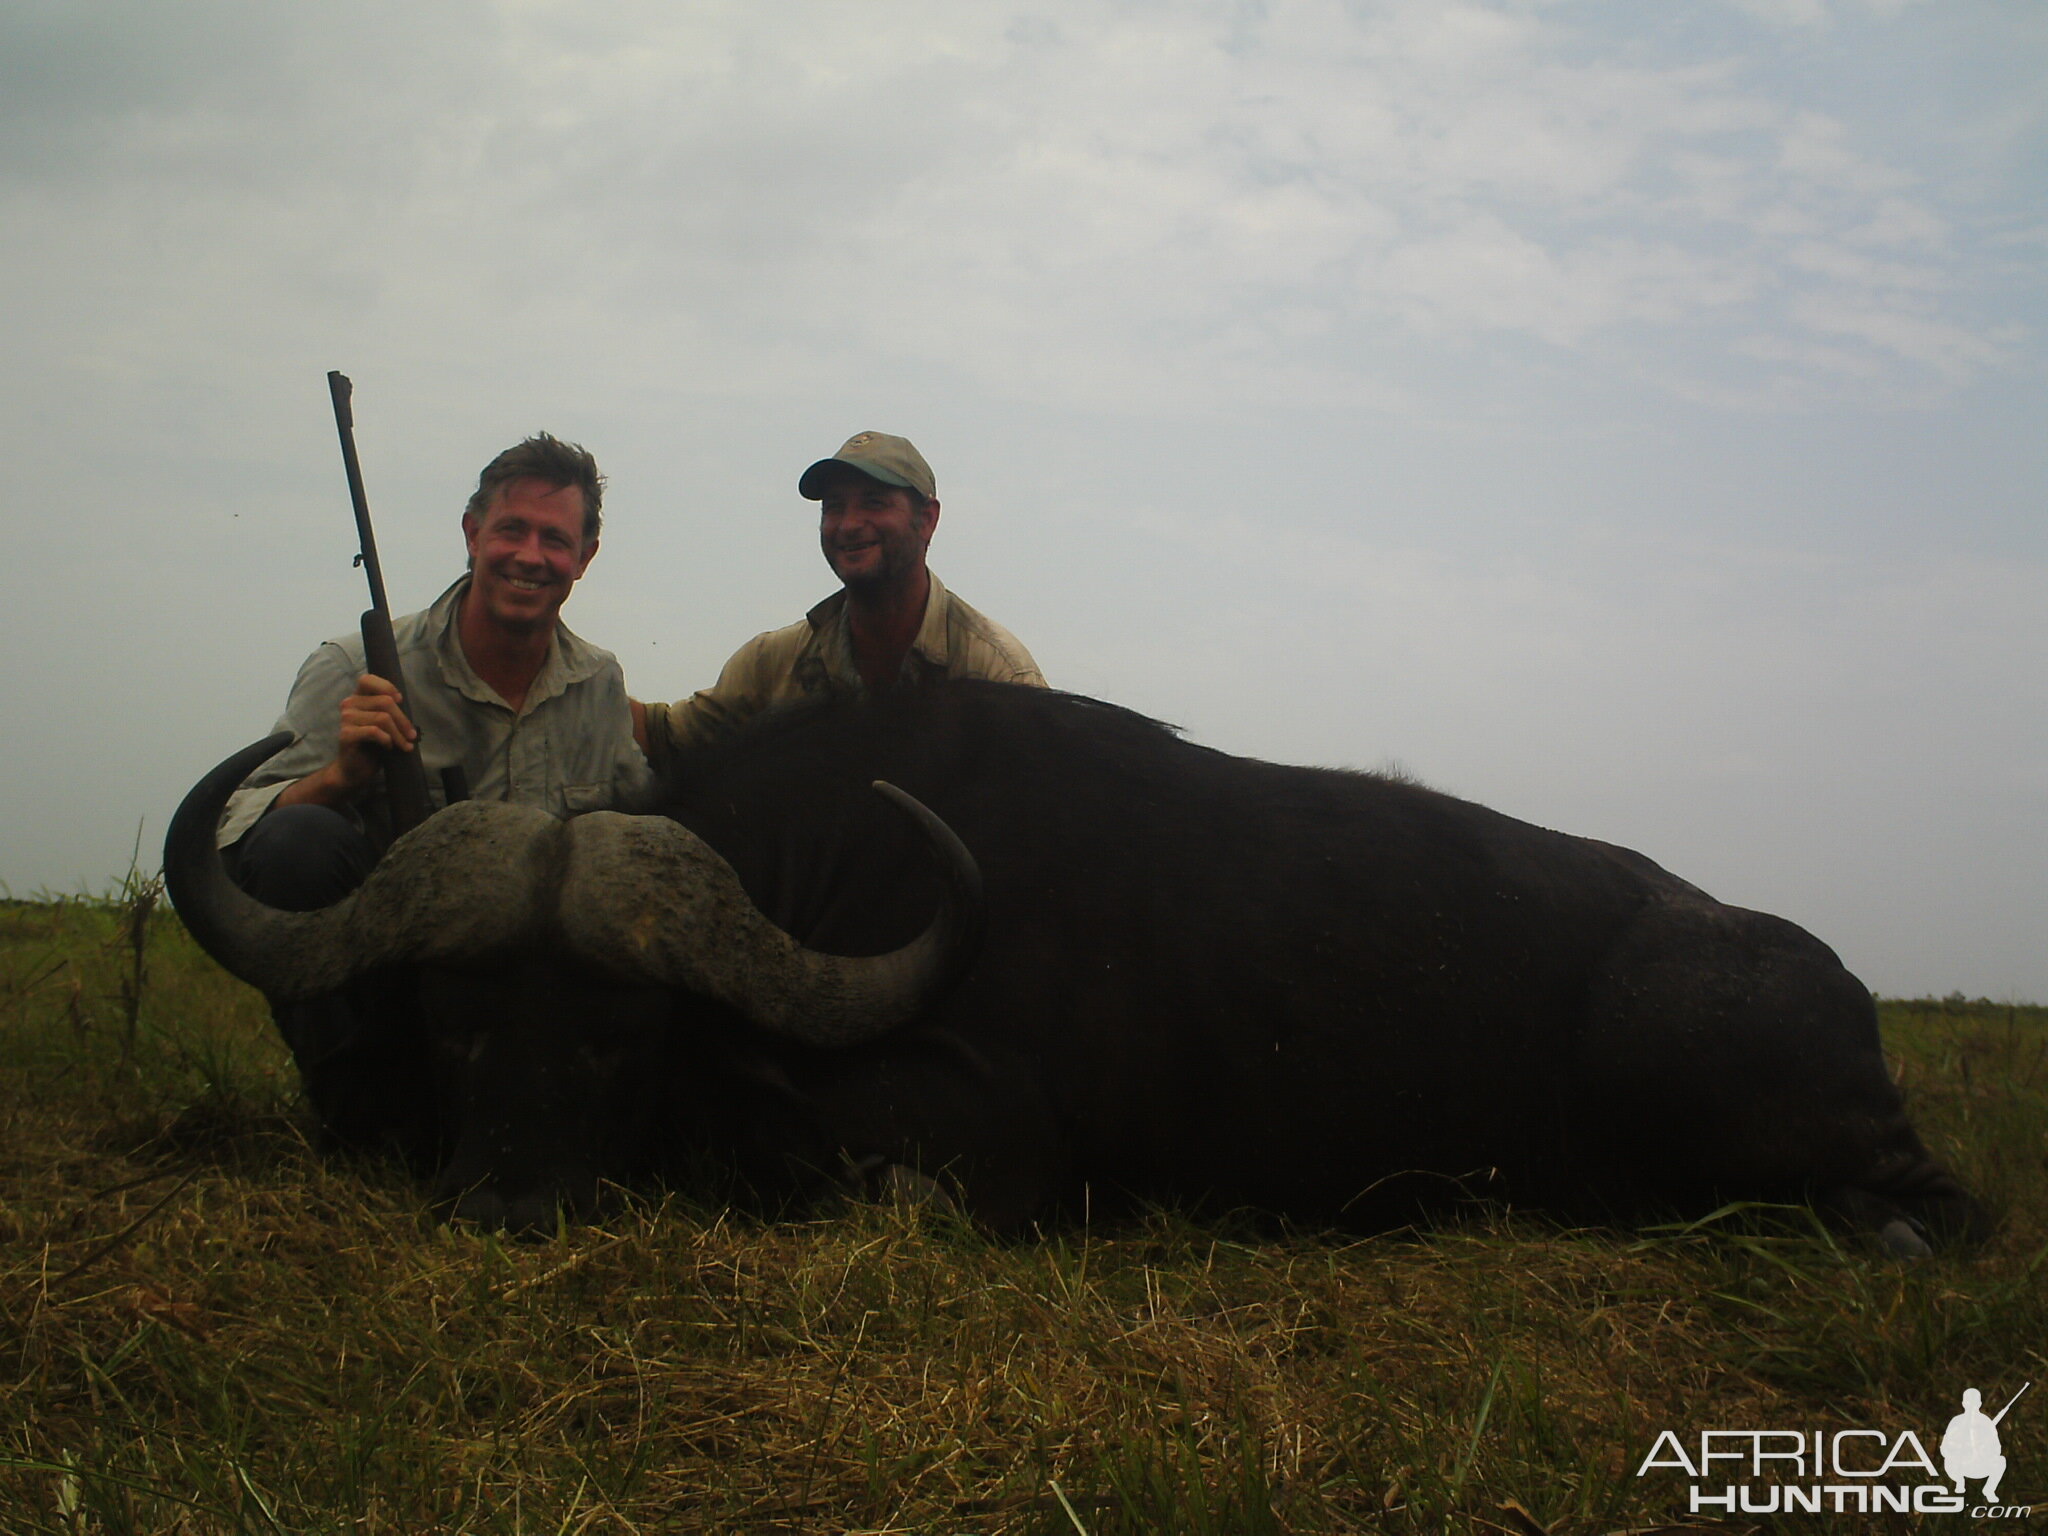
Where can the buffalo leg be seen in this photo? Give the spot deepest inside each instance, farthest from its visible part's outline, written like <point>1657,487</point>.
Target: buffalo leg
<point>934,1105</point>
<point>359,1051</point>
<point>1730,1055</point>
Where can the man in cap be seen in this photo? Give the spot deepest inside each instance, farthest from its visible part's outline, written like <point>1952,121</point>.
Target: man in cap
<point>891,623</point>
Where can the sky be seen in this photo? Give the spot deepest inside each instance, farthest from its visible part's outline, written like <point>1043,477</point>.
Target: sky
<point>1627,416</point>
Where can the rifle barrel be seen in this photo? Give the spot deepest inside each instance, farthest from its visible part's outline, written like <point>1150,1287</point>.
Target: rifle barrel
<point>405,774</point>
<point>339,387</point>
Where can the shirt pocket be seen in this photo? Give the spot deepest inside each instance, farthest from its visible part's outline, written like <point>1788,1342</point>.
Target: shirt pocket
<point>580,798</point>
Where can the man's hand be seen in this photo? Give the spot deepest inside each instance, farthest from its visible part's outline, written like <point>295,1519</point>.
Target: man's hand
<point>372,724</point>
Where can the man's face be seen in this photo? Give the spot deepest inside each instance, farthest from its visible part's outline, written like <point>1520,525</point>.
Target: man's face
<point>869,531</point>
<point>526,552</point>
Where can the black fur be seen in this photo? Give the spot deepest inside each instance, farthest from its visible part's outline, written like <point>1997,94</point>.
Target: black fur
<point>1205,980</point>
<point>1327,994</point>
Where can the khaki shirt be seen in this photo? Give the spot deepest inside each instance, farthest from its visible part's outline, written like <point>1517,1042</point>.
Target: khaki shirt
<point>570,749</point>
<point>813,658</point>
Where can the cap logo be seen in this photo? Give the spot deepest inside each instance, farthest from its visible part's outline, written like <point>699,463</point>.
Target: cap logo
<point>860,439</point>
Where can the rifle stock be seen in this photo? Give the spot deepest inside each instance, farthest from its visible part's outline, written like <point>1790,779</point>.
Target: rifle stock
<point>405,774</point>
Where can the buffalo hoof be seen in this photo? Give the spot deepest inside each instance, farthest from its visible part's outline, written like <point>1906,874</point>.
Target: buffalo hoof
<point>898,1184</point>
<point>1904,1238</point>
<point>533,1213</point>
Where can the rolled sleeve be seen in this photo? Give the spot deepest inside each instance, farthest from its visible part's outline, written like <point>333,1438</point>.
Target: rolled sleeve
<point>746,685</point>
<point>312,714</point>
<point>569,750</point>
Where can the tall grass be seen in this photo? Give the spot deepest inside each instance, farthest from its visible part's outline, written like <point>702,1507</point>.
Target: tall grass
<point>204,1327</point>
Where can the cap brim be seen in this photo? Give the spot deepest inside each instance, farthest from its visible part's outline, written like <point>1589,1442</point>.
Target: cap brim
<point>811,484</point>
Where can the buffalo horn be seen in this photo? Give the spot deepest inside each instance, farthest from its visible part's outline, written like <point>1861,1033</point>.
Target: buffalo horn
<point>645,900</point>
<point>407,910</point>
<point>640,899</point>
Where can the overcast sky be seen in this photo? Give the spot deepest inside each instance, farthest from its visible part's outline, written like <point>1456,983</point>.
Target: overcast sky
<point>1629,416</point>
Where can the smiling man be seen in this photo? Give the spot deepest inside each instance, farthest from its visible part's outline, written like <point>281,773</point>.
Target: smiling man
<point>499,688</point>
<point>892,623</point>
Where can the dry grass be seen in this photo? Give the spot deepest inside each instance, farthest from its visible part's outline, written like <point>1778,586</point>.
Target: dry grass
<point>205,1328</point>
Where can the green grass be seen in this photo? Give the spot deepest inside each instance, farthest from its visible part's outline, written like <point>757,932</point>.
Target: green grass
<point>206,1328</point>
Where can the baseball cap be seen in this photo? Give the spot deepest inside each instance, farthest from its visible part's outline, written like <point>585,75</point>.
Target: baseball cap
<point>891,460</point>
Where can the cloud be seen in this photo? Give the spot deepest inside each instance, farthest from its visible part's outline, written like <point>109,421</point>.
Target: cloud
<point>1077,202</point>
<point>1327,374</point>
<point>1786,13</point>
<point>1946,348</point>
<point>1815,13</point>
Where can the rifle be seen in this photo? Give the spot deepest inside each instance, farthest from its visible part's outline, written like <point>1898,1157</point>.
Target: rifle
<point>405,773</point>
<point>2009,1402</point>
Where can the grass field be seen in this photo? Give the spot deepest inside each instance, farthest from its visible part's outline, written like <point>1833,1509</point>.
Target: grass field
<point>206,1328</point>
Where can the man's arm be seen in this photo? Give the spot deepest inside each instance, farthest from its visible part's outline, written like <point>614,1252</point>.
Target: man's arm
<point>666,731</point>
<point>373,723</point>
<point>313,713</point>
<point>746,685</point>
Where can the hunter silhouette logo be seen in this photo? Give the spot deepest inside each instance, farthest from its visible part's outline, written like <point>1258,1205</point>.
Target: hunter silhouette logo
<point>1845,1471</point>
<point>1970,1446</point>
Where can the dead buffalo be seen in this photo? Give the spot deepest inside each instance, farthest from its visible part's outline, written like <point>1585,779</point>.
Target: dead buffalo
<point>1204,978</point>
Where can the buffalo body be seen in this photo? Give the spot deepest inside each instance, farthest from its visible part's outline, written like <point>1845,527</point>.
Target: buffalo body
<point>1336,996</point>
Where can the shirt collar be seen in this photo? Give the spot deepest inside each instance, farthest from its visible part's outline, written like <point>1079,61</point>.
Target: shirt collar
<point>828,625</point>
<point>931,634</point>
<point>569,660</point>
